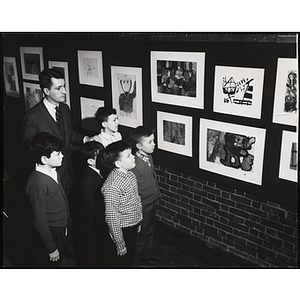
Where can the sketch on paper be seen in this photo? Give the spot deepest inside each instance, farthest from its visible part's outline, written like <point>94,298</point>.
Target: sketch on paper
<point>33,94</point>
<point>90,67</point>
<point>11,77</point>
<point>177,77</point>
<point>290,101</point>
<point>32,63</point>
<point>127,93</point>
<point>174,132</point>
<point>238,91</point>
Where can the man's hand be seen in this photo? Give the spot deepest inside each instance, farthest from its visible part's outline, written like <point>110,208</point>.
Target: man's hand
<point>122,252</point>
<point>54,256</point>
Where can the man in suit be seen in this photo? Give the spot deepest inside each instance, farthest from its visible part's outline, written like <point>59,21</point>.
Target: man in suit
<point>52,115</point>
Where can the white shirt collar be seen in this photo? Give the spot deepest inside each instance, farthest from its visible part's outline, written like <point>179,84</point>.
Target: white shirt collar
<point>52,173</point>
<point>96,170</point>
<point>51,108</point>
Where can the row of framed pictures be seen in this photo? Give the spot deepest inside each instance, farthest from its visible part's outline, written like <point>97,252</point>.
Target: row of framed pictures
<point>228,149</point>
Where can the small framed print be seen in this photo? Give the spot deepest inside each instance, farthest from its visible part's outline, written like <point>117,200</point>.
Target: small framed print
<point>11,81</point>
<point>232,150</point>
<point>174,133</point>
<point>288,168</point>
<point>32,62</point>
<point>88,109</point>
<point>63,68</point>
<point>90,68</point>
<point>177,78</point>
<point>127,95</point>
<point>32,94</point>
<point>286,100</point>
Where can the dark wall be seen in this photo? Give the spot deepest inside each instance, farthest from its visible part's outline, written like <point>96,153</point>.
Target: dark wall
<point>133,50</point>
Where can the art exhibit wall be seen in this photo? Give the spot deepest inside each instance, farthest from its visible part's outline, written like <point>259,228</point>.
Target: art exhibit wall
<point>251,212</point>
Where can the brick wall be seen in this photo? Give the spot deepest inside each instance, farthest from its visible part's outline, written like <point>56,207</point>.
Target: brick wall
<point>261,231</point>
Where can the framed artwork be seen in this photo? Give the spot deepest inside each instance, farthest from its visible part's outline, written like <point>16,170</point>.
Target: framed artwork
<point>63,68</point>
<point>238,91</point>
<point>32,94</point>
<point>232,150</point>
<point>288,167</point>
<point>90,68</point>
<point>127,95</point>
<point>286,100</point>
<point>32,62</point>
<point>11,81</point>
<point>177,78</point>
<point>174,133</point>
<point>88,110</point>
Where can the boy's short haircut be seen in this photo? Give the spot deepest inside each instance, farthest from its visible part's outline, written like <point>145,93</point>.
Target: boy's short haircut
<point>137,134</point>
<point>103,113</point>
<point>112,152</point>
<point>90,150</point>
<point>43,144</point>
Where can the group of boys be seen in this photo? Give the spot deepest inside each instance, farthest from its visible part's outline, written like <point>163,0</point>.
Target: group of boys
<point>117,191</point>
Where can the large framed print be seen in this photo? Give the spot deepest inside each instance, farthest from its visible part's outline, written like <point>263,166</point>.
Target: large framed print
<point>238,91</point>
<point>232,150</point>
<point>88,109</point>
<point>32,62</point>
<point>286,100</point>
<point>174,133</point>
<point>127,95</point>
<point>90,67</point>
<point>288,168</point>
<point>11,81</point>
<point>32,94</point>
<point>177,78</point>
<point>63,68</point>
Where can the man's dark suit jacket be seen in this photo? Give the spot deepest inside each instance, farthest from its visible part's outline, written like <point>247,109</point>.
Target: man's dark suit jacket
<point>38,119</point>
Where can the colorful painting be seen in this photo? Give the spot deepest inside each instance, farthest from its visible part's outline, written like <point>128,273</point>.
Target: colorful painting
<point>11,81</point>
<point>32,62</point>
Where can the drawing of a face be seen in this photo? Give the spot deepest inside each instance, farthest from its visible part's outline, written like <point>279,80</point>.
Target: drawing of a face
<point>126,85</point>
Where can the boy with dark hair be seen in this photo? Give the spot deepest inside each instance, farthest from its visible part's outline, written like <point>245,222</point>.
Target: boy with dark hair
<point>108,121</point>
<point>48,198</point>
<point>123,208</point>
<point>142,139</point>
<point>92,227</point>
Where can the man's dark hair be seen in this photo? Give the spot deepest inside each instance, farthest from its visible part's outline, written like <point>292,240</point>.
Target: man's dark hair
<point>137,134</point>
<point>43,144</point>
<point>46,75</point>
<point>90,150</point>
<point>103,113</point>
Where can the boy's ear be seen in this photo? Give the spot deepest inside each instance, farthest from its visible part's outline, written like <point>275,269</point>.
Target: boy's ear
<point>117,164</point>
<point>104,124</point>
<point>90,161</point>
<point>138,146</point>
<point>44,159</point>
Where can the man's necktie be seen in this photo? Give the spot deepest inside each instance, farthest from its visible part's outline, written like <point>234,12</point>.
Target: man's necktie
<point>57,114</point>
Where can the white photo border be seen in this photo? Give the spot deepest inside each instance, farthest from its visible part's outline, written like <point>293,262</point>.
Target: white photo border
<point>31,50</point>
<point>16,93</point>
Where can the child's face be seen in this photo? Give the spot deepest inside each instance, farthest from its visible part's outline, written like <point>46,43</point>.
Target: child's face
<point>126,161</point>
<point>55,159</point>
<point>147,144</point>
<point>111,124</point>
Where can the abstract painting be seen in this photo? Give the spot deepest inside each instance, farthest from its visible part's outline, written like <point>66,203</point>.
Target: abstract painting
<point>32,62</point>
<point>10,77</point>
<point>238,91</point>
<point>177,78</point>
<point>32,94</point>
<point>127,95</point>
<point>232,150</point>
<point>174,133</point>
<point>286,100</point>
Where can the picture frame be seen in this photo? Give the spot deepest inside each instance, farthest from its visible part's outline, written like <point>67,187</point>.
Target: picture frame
<point>32,62</point>
<point>177,78</point>
<point>90,68</point>
<point>62,67</point>
<point>174,133</point>
<point>286,97</point>
<point>288,167</point>
<point>88,108</point>
<point>238,91</point>
<point>10,76</point>
<point>232,150</point>
<point>127,95</point>
<point>32,94</point>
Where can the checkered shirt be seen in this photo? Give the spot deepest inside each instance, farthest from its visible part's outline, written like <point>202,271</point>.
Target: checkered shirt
<point>123,207</point>
<point>144,157</point>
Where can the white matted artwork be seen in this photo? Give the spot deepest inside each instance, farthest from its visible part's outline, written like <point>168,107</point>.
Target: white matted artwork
<point>88,109</point>
<point>32,62</point>
<point>232,150</point>
<point>286,99</point>
<point>238,91</point>
<point>174,133</point>
<point>177,78</point>
<point>63,68</point>
<point>90,68</point>
<point>288,168</point>
<point>32,94</point>
<point>127,95</point>
<point>10,77</point>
